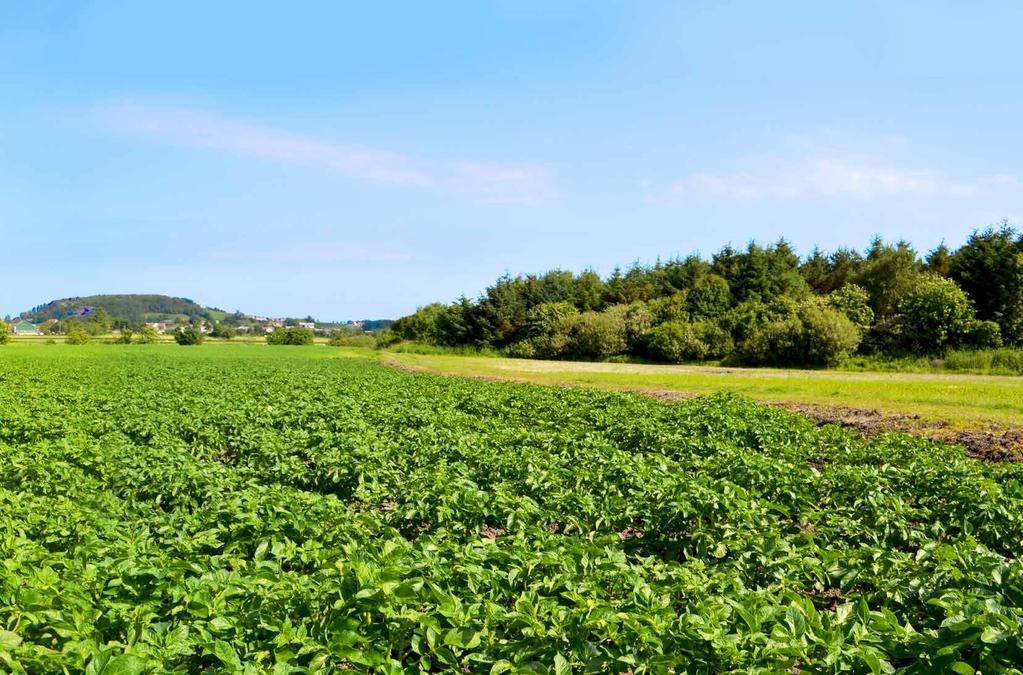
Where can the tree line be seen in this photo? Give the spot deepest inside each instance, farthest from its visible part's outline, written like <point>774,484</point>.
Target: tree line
<point>757,305</point>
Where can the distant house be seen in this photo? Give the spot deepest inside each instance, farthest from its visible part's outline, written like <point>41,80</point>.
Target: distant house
<point>24,328</point>
<point>311,325</point>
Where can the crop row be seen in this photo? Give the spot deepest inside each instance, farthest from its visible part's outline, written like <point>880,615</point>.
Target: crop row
<point>252,509</point>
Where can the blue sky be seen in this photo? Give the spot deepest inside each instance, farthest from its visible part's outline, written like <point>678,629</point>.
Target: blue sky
<point>352,162</point>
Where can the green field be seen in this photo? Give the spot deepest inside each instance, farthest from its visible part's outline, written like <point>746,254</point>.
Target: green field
<point>964,400</point>
<point>244,508</point>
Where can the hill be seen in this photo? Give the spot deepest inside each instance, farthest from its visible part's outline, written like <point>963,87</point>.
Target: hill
<point>131,308</point>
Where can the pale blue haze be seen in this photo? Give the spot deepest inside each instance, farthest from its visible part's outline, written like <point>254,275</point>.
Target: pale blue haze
<point>317,158</point>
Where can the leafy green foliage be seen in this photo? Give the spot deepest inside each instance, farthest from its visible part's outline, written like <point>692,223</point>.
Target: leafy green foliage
<point>188,336</point>
<point>147,335</point>
<point>995,361</point>
<point>854,302</point>
<point>989,267</point>
<point>751,294</point>
<point>240,510</point>
<point>294,335</point>
<point>935,315</point>
<point>709,297</point>
<point>340,338</point>
<point>598,335</point>
<point>77,336</point>
<point>982,335</point>
<point>811,333</point>
<point>5,333</point>
<point>677,341</point>
<point>224,331</point>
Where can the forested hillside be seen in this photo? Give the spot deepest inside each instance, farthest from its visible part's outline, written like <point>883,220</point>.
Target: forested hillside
<point>758,305</point>
<point>130,308</point>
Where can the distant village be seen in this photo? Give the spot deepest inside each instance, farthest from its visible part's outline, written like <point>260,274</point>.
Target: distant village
<point>250,325</point>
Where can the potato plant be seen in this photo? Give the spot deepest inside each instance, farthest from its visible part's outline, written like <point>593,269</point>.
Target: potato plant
<point>240,509</point>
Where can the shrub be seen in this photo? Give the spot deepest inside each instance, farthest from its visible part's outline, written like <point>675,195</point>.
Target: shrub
<point>773,342</point>
<point>671,308</point>
<point>745,318</point>
<point>813,336</point>
<point>341,339</point>
<point>598,335</point>
<point>386,338</point>
<point>1006,360</point>
<point>854,302</point>
<point>290,336</point>
<point>124,338</point>
<point>828,335</point>
<point>983,335</point>
<point>5,333</point>
<point>638,321</point>
<point>147,335</point>
<point>523,349</point>
<point>188,335</point>
<point>548,331</point>
<point>225,331</point>
<point>935,314</point>
<point>76,336</point>
<point>678,341</point>
<point>710,297</point>
<point>548,317</point>
<point>435,323</point>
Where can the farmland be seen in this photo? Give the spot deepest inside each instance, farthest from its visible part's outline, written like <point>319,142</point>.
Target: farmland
<point>245,508</point>
<point>961,400</point>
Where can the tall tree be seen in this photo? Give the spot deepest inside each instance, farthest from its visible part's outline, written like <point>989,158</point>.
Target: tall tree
<point>989,267</point>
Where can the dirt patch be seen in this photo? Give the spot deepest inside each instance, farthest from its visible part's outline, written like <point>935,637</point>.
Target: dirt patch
<point>491,532</point>
<point>988,440</point>
<point>996,444</point>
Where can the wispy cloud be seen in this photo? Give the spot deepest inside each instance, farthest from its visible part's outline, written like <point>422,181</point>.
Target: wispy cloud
<point>487,181</point>
<point>827,173</point>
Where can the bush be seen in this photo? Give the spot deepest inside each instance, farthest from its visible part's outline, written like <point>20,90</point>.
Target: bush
<point>710,297</point>
<point>743,319</point>
<point>598,335</point>
<point>341,339</point>
<point>5,333</point>
<point>773,342</point>
<point>147,335</point>
<point>983,335</point>
<point>670,308</point>
<point>224,330</point>
<point>386,338</point>
<point>124,338</point>
<point>829,336</point>
<point>548,331</point>
<point>523,349</point>
<point>290,336</point>
<point>435,323</point>
<point>678,341</point>
<point>813,336</point>
<point>76,336</point>
<point>854,302</point>
<point>998,361</point>
<point>189,335</point>
<point>638,321</point>
<point>935,315</point>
